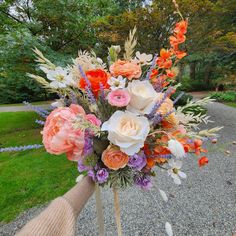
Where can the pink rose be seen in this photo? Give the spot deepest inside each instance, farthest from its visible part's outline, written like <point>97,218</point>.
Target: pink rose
<point>127,69</point>
<point>93,119</point>
<point>119,98</point>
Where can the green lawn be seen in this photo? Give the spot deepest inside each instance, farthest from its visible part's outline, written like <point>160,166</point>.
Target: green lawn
<point>32,177</point>
<point>231,104</point>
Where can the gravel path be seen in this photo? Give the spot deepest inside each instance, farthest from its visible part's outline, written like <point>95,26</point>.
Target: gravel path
<point>21,108</point>
<point>204,205</point>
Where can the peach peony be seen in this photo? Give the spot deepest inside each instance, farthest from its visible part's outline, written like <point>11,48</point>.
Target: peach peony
<point>130,70</point>
<point>60,137</point>
<point>114,159</point>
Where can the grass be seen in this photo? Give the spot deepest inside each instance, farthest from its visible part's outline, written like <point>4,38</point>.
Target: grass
<point>231,104</point>
<point>29,178</point>
<point>21,104</point>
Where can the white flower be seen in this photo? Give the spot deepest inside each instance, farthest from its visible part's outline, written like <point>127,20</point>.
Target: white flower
<point>142,97</point>
<point>117,83</point>
<point>175,172</point>
<point>168,229</point>
<point>143,59</point>
<point>127,131</point>
<point>60,77</point>
<point>176,148</point>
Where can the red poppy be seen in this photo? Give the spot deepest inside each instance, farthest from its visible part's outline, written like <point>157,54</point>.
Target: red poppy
<point>96,77</point>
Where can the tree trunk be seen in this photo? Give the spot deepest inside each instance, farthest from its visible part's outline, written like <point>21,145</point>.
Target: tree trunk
<point>207,74</point>
<point>193,70</point>
<point>181,72</point>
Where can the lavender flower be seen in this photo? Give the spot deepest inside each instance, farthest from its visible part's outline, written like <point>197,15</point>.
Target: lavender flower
<point>40,122</point>
<point>143,181</point>
<point>90,95</point>
<point>102,175</point>
<point>42,112</point>
<point>178,97</point>
<point>84,76</point>
<point>158,104</point>
<point>158,119</point>
<point>103,96</point>
<point>137,161</point>
<point>21,148</point>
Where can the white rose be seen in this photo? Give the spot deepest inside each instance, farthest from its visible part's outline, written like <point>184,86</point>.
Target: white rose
<point>127,130</point>
<point>142,97</point>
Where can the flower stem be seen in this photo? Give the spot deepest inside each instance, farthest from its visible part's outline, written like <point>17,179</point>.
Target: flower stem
<point>117,211</point>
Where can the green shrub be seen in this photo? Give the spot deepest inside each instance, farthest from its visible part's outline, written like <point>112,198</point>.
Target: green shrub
<point>229,96</point>
<point>189,85</point>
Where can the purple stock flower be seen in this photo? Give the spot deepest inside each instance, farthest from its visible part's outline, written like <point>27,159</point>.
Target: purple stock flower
<point>88,145</point>
<point>137,161</point>
<point>92,175</point>
<point>143,181</point>
<point>102,175</point>
<point>82,167</point>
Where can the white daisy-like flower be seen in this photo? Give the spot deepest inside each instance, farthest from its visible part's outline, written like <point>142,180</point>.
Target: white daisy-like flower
<point>176,148</point>
<point>143,58</point>
<point>117,83</point>
<point>175,171</point>
<point>60,78</point>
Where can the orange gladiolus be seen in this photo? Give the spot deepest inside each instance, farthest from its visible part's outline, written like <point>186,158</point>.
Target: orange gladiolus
<point>181,27</point>
<point>165,54</point>
<point>180,54</point>
<point>170,73</point>
<point>203,161</point>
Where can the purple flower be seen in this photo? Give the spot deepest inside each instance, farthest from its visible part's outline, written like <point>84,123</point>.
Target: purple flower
<point>88,145</point>
<point>143,181</point>
<point>82,167</point>
<point>102,175</point>
<point>137,161</point>
<point>92,175</point>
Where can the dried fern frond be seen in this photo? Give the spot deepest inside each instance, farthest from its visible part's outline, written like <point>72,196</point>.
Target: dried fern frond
<point>130,44</point>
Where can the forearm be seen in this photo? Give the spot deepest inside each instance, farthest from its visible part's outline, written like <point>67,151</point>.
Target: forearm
<point>80,193</point>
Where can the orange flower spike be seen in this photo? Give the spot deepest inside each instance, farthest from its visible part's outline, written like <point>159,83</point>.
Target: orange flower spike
<point>180,54</point>
<point>203,161</point>
<point>165,54</point>
<point>181,27</point>
<point>197,143</point>
<point>170,73</point>
<point>154,73</point>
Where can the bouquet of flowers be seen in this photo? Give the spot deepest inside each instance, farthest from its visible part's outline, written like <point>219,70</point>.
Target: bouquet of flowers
<point>117,120</point>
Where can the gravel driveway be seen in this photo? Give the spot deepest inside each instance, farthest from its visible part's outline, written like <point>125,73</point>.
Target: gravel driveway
<point>204,205</point>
